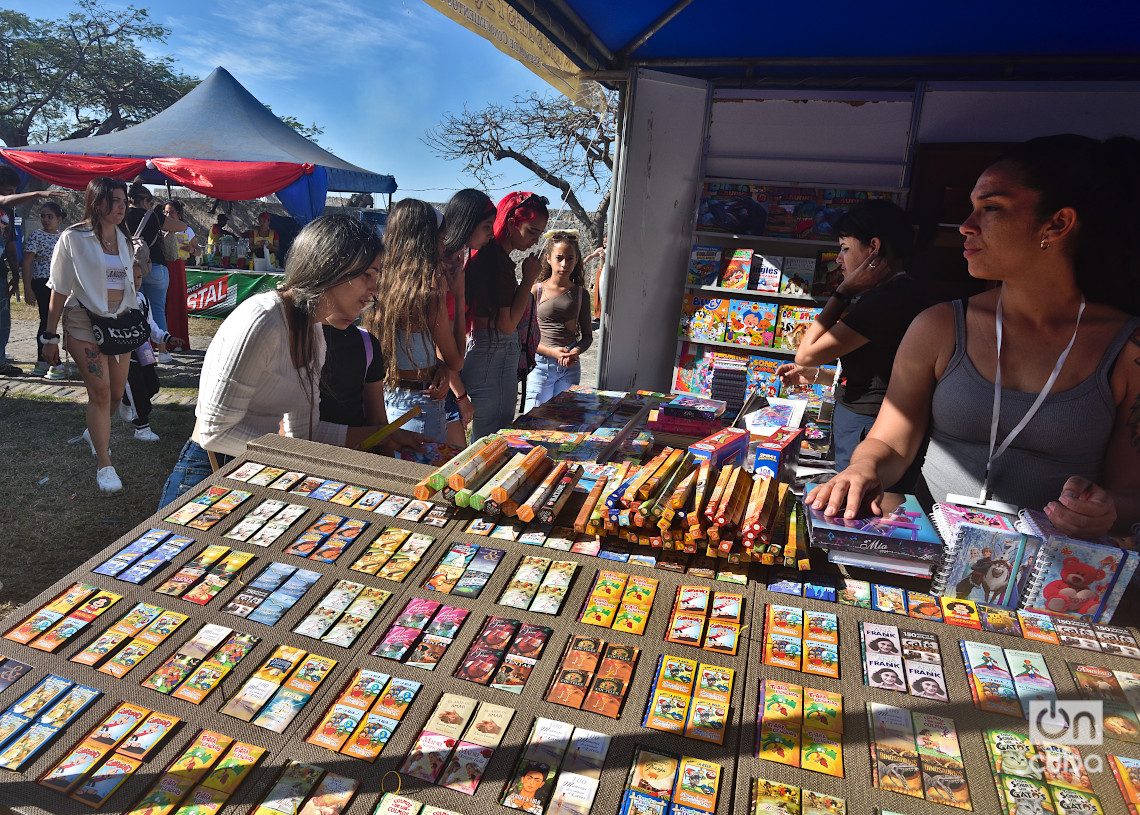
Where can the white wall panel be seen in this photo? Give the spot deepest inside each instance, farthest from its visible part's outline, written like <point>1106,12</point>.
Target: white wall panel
<point>657,186</point>
<point>1013,112</point>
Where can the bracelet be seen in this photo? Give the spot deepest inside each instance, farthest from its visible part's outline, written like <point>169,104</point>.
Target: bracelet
<point>49,339</point>
<point>461,398</point>
<point>841,297</point>
<point>815,378</point>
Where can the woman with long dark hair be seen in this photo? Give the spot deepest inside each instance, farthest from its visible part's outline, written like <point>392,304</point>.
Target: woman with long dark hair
<point>183,246</point>
<point>468,226</point>
<point>263,367</point>
<point>417,338</point>
<point>498,303</point>
<point>91,276</point>
<point>1031,390</point>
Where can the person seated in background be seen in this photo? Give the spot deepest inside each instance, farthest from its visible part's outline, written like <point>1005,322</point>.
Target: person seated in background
<point>262,236</point>
<point>1031,390</point>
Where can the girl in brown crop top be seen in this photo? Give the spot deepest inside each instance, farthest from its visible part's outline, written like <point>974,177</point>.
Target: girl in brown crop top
<point>564,319</point>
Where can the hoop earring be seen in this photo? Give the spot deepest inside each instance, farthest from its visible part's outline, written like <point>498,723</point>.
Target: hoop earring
<point>1044,245</point>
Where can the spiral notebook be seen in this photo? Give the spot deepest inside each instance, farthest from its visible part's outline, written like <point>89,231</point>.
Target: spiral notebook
<point>1079,579</point>
<point>947,518</point>
<point>986,564</point>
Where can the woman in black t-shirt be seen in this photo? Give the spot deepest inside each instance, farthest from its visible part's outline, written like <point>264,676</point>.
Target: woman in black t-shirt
<point>863,323</point>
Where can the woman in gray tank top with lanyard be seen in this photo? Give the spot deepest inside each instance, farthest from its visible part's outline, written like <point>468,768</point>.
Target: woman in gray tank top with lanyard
<point>1030,391</point>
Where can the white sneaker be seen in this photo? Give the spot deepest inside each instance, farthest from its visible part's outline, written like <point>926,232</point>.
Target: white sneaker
<point>126,412</point>
<point>108,479</point>
<point>91,444</point>
<point>165,358</point>
<point>145,434</point>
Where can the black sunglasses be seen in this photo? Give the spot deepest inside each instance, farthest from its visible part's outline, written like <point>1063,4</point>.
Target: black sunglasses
<point>530,199</point>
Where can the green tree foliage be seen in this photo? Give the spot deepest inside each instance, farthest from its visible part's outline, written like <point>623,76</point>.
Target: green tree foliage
<point>84,75</point>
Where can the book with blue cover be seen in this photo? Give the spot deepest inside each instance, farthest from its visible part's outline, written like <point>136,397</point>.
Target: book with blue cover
<point>987,565</point>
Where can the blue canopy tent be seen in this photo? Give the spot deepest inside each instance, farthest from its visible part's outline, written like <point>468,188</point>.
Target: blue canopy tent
<point>842,43</point>
<point>830,94</point>
<point>219,140</point>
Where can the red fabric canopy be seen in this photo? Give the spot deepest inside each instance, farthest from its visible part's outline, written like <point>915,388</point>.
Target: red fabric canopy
<point>73,172</point>
<point>231,180</point>
<point>228,180</point>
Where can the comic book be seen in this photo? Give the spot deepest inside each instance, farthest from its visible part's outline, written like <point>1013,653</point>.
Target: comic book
<point>704,265</point>
<point>761,372</point>
<point>738,269</point>
<point>693,373</point>
<point>791,324</point>
<point>990,679</point>
<point>703,318</point>
<point>751,322</point>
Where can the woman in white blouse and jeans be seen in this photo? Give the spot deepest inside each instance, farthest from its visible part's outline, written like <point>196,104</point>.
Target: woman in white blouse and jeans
<point>91,272</point>
<point>263,366</point>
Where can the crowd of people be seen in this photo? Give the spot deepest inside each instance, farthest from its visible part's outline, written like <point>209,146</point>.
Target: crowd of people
<point>439,317</point>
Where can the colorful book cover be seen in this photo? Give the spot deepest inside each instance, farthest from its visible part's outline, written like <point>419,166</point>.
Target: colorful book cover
<point>766,272</point>
<point>465,769</point>
<point>797,276</point>
<point>926,680</point>
<point>65,775</point>
<point>397,697</point>
<point>102,784</point>
<point>855,593</point>
<point>1031,678</point>
<point>821,625</point>
<point>1024,795</point>
<point>943,773</point>
<point>667,711</point>
<point>737,270</point>
<point>427,757</point>
<point>1037,626</point>
<point>761,373</point>
<point>894,753</point>
<point>792,323</point>
<point>698,783</point>
<point>370,736</point>
<point>707,721</point>
<point>751,322</point>
<point>999,620</point>
<point>962,613</point>
<point>278,713</point>
<point>821,752</point>
<point>530,787</point>
<point>990,677</point>
<point>703,318</point>
<point>821,658</point>
<point>888,598</point>
<point>693,373</point>
<point>923,606</point>
<point>822,710</point>
<point>787,621</point>
<point>1127,772</point>
<point>704,265</point>
<point>145,738</point>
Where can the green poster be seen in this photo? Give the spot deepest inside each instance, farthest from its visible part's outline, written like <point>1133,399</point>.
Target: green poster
<point>216,293</point>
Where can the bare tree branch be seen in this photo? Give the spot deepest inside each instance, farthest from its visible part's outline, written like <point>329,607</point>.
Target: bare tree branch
<point>568,147</point>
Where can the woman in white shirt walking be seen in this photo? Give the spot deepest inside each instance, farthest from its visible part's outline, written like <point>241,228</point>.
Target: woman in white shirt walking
<point>91,272</point>
<point>263,367</point>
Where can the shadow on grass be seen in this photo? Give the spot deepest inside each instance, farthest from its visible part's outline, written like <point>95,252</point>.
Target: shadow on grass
<point>53,516</point>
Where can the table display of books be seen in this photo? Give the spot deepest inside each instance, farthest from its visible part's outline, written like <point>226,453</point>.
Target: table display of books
<point>404,657</point>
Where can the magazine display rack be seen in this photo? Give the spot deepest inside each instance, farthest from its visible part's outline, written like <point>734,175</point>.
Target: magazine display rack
<point>762,258</point>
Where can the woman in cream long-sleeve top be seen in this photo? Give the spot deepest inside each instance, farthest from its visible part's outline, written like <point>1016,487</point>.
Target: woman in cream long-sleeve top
<point>263,367</point>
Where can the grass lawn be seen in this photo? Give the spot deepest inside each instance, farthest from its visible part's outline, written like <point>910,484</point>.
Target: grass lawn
<point>54,516</point>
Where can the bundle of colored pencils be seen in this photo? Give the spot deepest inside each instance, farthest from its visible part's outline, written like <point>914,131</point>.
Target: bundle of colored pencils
<point>673,502</point>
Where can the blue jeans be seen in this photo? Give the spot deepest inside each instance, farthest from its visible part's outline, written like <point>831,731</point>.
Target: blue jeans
<point>431,421</point>
<point>848,428</point>
<point>154,286</point>
<point>490,374</point>
<point>548,379</point>
<point>193,467</point>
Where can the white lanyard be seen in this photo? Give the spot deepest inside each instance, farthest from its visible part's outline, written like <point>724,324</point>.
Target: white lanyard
<point>1029,414</point>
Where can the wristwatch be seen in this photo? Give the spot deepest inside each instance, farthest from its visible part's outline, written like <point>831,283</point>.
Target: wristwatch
<point>48,338</point>
<point>845,299</point>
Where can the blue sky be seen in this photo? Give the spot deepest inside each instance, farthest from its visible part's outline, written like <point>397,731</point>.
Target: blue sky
<point>375,74</point>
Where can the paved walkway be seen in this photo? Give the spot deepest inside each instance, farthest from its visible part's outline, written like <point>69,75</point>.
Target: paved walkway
<point>182,373</point>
